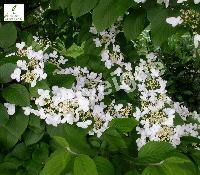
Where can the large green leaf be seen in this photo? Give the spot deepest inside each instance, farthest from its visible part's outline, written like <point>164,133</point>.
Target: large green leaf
<point>7,168</point>
<point>155,152</point>
<point>57,163</point>
<point>61,80</point>
<point>62,142</point>
<point>41,153</point>
<point>34,132</point>
<point>56,4</point>
<point>172,166</point>
<point>84,165</point>
<point>123,124</point>
<point>75,137</point>
<point>4,117</point>
<point>17,94</point>
<point>74,51</point>
<point>81,7</point>
<point>104,166</point>
<point>114,140</point>
<point>5,71</point>
<point>8,35</point>
<point>107,12</point>
<point>134,24</point>
<point>160,30</point>
<point>153,170</point>
<point>13,130</point>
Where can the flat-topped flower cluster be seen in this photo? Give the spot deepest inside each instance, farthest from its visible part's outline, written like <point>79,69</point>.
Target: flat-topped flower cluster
<point>81,104</point>
<point>158,113</point>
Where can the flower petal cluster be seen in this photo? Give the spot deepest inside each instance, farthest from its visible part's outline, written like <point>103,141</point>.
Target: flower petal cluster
<point>81,105</point>
<point>30,69</point>
<point>158,112</point>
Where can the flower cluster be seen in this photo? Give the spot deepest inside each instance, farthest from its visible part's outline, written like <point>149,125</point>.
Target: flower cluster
<point>158,112</point>
<point>82,104</point>
<point>111,53</point>
<point>112,56</point>
<point>30,69</point>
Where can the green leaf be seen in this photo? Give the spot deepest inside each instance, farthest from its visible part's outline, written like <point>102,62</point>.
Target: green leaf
<point>62,80</point>
<point>74,51</point>
<point>7,168</point>
<point>84,165</point>
<point>160,30</point>
<point>123,124</point>
<point>76,138</point>
<point>17,94</point>
<point>172,166</point>
<point>4,117</point>
<point>155,152</point>
<point>8,35</point>
<point>13,130</point>
<point>107,12</point>
<point>152,170</point>
<point>104,166</point>
<point>57,163</point>
<point>41,153</point>
<point>35,131</point>
<point>177,165</point>
<point>114,140</point>
<point>61,141</point>
<point>56,4</point>
<point>134,24</point>
<point>31,137</point>
<point>20,152</point>
<point>5,71</point>
<point>81,7</point>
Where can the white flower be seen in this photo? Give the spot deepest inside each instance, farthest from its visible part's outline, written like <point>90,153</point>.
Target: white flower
<point>10,108</point>
<point>22,64</point>
<point>83,103</point>
<point>20,45</point>
<point>150,56</point>
<point>84,124</point>
<point>181,1</point>
<point>68,118</point>
<point>196,40</point>
<point>165,1</point>
<point>138,1</point>
<point>27,110</point>
<point>62,60</point>
<point>97,42</point>
<point>93,30</point>
<point>118,71</point>
<point>174,21</point>
<point>118,107</point>
<point>128,66</point>
<point>16,75</point>
<point>116,48</point>
<point>196,1</point>
<point>154,72</point>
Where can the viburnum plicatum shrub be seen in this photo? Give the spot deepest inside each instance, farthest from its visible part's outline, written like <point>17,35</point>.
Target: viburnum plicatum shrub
<point>101,87</point>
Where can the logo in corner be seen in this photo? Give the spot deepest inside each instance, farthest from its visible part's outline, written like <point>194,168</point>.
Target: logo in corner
<point>13,12</point>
